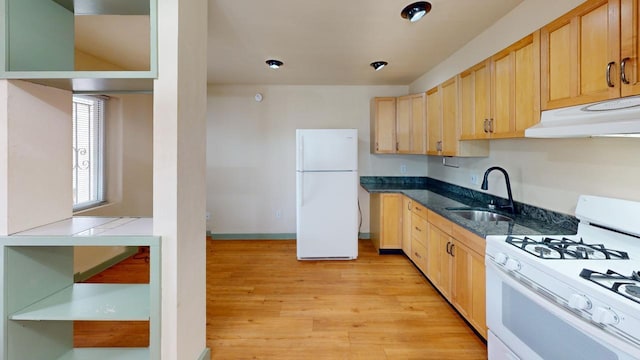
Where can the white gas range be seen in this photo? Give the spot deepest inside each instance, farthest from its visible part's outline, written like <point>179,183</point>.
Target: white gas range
<point>568,297</point>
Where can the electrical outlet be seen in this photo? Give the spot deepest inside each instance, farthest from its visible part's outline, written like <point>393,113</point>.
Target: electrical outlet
<point>278,214</point>
<point>403,169</point>
<point>474,179</point>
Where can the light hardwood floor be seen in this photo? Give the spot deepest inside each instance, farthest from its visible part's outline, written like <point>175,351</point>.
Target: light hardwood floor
<point>264,304</point>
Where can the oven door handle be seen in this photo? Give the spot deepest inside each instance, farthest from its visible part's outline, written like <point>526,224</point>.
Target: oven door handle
<point>564,314</point>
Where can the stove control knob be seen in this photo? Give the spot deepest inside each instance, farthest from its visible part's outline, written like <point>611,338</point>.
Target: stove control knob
<point>501,258</point>
<point>605,316</point>
<point>513,265</point>
<point>579,302</point>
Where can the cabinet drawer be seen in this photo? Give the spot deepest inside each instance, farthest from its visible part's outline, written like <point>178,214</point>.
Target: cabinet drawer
<point>440,222</point>
<point>419,229</point>
<point>471,240</point>
<point>419,254</point>
<point>419,210</point>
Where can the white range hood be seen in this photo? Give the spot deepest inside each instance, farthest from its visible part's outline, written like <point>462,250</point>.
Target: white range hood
<point>618,117</point>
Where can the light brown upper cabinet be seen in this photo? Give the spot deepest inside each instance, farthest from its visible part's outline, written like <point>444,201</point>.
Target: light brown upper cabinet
<point>475,101</point>
<point>398,125</point>
<point>581,55</point>
<point>418,124</point>
<point>383,125</point>
<point>443,124</point>
<point>630,46</point>
<point>442,112</point>
<point>434,121</point>
<point>500,97</point>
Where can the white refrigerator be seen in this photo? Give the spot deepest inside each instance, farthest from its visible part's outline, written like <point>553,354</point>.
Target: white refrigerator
<point>327,194</point>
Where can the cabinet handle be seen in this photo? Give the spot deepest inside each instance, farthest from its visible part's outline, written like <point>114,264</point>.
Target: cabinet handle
<point>623,73</point>
<point>486,122</point>
<point>452,247</point>
<point>397,146</point>
<point>439,145</point>
<point>409,205</point>
<point>609,65</point>
<point>417,228</point>
<point>377,149</point>
<point>490,125</point>
<point>417,255</point>
<point>448,244</point>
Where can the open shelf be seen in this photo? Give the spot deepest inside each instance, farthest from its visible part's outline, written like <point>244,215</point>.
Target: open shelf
<point>106,354</point>
<point>108,302</point>
<point>40,301</point>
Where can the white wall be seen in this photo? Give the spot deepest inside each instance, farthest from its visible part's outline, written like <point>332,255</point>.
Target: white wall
<point>129,157</point>
<point>546,173</point>
<point>35,167</point>
<point>251,150</point>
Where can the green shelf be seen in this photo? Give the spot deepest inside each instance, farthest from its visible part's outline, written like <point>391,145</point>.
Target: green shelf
<point>106,354</point>
<point>91,302</point>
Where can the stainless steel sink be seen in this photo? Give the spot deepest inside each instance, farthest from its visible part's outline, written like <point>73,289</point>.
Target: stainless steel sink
<point>480,215</point>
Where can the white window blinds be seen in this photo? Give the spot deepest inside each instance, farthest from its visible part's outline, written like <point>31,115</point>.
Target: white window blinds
<point>88,151</point>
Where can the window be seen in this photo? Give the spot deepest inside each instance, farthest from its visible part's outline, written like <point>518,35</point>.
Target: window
<point>88,151</point>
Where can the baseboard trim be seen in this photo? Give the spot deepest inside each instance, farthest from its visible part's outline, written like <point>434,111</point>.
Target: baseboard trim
<point>255,236</point>
<point>206,354</point>
<point>82,276</point>
<point>264,236</point>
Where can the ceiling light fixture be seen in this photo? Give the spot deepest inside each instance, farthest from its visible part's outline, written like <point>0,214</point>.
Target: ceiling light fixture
<point>378,65</point>
<point>416,11</point>
<point>274,64</point>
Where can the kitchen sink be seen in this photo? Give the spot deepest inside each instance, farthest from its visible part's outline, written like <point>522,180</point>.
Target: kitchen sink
<point>480,215</point>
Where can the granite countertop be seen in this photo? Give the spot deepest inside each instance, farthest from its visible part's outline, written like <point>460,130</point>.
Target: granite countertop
<point>439,197</point>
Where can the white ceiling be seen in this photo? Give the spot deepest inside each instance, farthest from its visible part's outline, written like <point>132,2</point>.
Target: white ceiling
<point>326,42</point>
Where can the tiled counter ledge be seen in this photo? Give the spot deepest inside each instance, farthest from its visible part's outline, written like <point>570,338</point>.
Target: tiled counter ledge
<point>439,196</point>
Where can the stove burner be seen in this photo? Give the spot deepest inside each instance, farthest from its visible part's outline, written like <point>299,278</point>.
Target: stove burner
<point>565,248</point>
<point>616,282</point>
<point>633,290</point>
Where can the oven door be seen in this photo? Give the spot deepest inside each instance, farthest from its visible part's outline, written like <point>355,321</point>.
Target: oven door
<point>530,326</point>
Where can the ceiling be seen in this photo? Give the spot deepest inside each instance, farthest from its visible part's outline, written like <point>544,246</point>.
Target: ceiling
<point>328,42</point>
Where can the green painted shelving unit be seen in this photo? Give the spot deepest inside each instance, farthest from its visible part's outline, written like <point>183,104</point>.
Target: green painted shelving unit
<point>38,40</point>
<point>40,301</point>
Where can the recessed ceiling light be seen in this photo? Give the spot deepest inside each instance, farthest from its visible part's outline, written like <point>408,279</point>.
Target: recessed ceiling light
<point>416,11</point>
<point>378,65</point>
<point>274,64</point>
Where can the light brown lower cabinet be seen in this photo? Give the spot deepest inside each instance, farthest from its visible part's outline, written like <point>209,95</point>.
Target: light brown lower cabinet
<point>386,220</point>
<point>455,265</point>
<point>450,256</point>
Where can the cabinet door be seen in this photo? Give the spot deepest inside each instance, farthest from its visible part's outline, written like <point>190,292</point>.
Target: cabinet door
<point>576,52</point>
<point>475,104</point>
<point>439,264</point>
<point>434,122</point>
<point>469,285</point>
<point>461,294</point>
<point>630,46</point>
<point>383,125</point>
<point>450,117</point>
<point>406,225</point>
<point>391,231</point>
<point>418,124</point>
<point>516,88</point>
<point>403,125</point>
<point>446,265</point>
<point>478,291</point>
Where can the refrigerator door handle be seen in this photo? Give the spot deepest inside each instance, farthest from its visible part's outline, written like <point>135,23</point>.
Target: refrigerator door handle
<point>301,190</point>
<point>301,154</point>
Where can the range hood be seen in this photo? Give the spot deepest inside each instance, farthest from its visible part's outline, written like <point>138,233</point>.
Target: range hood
<point>618,117</point>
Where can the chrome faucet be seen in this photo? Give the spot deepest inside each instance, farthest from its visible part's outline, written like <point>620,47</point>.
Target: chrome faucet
<point>485,186</point>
